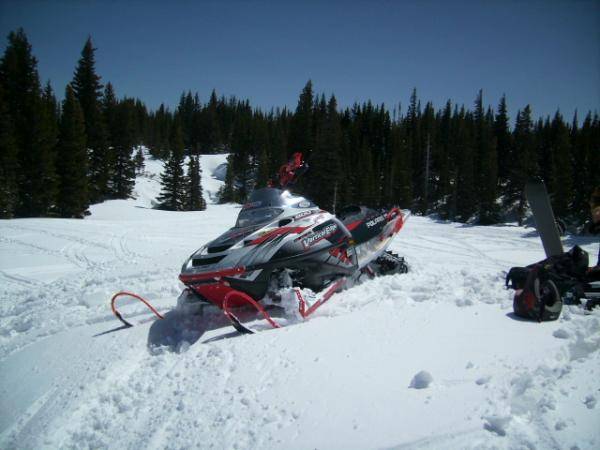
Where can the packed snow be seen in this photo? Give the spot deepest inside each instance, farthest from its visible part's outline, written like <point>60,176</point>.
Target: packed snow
<point>431,359</point>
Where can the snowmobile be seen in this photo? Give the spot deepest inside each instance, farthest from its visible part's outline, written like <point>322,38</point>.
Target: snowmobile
<point>284,242</point>
<point>281,240</point>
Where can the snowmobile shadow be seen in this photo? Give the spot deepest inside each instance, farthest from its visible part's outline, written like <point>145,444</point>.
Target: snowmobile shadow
<point>513,316</point>
<point>179,330</point>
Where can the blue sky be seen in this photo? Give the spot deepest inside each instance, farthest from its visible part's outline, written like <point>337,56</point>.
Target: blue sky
<point>543,53</point>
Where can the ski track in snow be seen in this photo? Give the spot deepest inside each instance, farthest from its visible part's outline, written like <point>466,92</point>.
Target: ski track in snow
<point>72,377</point>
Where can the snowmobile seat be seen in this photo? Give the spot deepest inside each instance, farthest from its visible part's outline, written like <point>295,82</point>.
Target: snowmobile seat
<point>349,214</point>
<point>362,222</point>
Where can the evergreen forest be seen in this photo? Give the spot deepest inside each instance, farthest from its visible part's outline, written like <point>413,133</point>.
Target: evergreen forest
<point>462,163</point>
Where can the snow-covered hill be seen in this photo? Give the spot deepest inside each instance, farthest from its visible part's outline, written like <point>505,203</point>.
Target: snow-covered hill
<point>431,359</point>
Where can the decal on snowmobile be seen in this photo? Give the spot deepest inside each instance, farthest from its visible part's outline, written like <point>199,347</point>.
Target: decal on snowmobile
<point>251,205</point>
<point>319,235</point>
<point>375,221</point>
<point>303,214</point>
<point>341,254</point>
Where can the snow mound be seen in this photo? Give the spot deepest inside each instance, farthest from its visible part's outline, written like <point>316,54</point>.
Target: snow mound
<point>497,424</point>
<point>421,380</point>
<point>220,172</point>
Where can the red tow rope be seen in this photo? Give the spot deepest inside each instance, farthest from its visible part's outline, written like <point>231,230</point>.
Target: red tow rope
<point>130,294</point>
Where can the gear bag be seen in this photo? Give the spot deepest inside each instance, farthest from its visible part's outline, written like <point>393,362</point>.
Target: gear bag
<point>540,287</point>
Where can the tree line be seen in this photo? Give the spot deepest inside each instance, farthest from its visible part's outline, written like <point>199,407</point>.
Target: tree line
<point>56,160</point>
<point>466,165</point>
<point>463,164</point>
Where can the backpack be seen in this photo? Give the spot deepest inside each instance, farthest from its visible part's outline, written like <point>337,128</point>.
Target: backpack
<point>540,287</point>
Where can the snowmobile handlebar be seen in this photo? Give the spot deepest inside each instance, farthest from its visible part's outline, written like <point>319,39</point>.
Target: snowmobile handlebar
<point>290,172</point>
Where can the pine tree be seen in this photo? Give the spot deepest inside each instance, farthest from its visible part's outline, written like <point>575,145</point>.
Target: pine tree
<point>172,196</point>
<point>486,174</point>
<point>195,200</point>
<point>88,91</point>
<point>213,134</point>
<point>188,106</point>
<point>414,142</point>
<point>160,129</point>
<point>524,164</point>
<point>324,177</point>
<point>401,180</point>
<point>109,106</point>
<point>227,194</point>
<point>32,125</point>
<point>560,183</point>
<point>9,165</point>
<point>583,151</point>
<point>122,134</point>
<point>504,145</point>
<point>466,193</point>
<point>426,164</point>
<point>446,160</point>
<point>241,142</point>
<point>301,131</point>
<point>260,144</point>
<point>367,179</point>
<point>73,199</point>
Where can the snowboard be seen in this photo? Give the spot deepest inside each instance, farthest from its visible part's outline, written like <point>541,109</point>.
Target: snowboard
<point>545,223</point>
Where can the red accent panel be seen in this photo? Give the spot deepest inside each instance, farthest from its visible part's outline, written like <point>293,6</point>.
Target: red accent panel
<point>208,275</point>
<point>341,254</point>
<point>353,225</point>
<point>277,232</point>
<point>215,293</point>
<point>396,213</point>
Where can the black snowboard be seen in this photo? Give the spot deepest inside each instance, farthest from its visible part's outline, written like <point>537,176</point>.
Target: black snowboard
<point>538,199</point>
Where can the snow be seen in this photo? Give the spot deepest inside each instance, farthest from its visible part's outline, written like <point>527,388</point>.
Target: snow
<point>72,377</point>
<point>421,380</point>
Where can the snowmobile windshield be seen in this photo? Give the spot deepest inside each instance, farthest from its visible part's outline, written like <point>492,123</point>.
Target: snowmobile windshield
<point>266,197</point>
<point>249,217</point>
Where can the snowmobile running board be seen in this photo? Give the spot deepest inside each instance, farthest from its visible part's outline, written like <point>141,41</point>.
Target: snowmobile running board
<point>239,295</point>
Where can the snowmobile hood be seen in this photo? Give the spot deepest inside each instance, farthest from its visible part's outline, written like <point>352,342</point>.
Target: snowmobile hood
<point>230,238</point>
<point>269,213</point>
